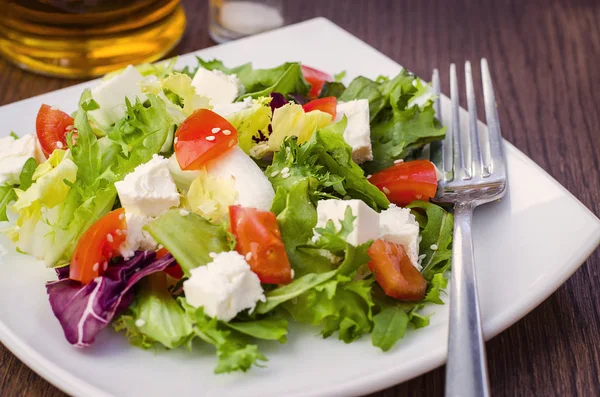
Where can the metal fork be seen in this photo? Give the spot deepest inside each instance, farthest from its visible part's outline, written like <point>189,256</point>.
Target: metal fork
<point>472,161</point>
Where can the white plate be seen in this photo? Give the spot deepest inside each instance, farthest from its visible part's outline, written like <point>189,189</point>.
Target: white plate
<point>526,247</point>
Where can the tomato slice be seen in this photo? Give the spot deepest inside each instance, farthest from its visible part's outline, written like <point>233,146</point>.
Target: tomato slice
<point>259,240</point>
<point>327,105</point>
<point>394,271</point>
<point>408,181</point>
<point>97,246</point>
<point>51,127</point>
<point>316,78</point>
<point>175,270</point>
<point>203,136</point>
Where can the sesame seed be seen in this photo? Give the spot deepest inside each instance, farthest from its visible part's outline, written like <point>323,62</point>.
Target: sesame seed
<point>95,267</point>
<point>118,232</point>
<point>53,108</point>
<point>386,190</point>
<point>433,247</point>
<point>274,174</point>
<point>231,143</point>
<point>59,145</point>
<point>226,132</point>
<point>210,138</point>
<point>140,322</point>
<point>109,238</point>
<point>183,212</point>
<point>285,170</point>
<point>175,140</point>
<point>122,216</point>
<point>69,128</point>
<point>160,246</point>
<point>285,176</point>
<point>105,266</point>
<point>216,130</point>
<point>398,161</point>
<point>248,256</point>
<point>421,257</point>
<point>293,273</point>
<point>369,176</point>
<point>212,254</point>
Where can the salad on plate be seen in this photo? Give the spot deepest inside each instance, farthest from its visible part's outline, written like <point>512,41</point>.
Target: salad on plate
<point>215,205</point>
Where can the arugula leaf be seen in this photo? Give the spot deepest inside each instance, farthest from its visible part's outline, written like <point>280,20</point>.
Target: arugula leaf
<point>339,76</point>
<point>233,351</point>
<point>333,238</point>
<point>272,328</point>
<point>7,195</point>
<point>284,79</point>
<point>155,317</point>
<point>26,176</point>
<point>435,287</point>
<point>191,249</point>
<point>363,88</point>
<point>437,230</point>
<point>332,88</point>
<point>389,327</point>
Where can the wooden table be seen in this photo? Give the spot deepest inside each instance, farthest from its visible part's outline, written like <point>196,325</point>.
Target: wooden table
<point>544,57</point>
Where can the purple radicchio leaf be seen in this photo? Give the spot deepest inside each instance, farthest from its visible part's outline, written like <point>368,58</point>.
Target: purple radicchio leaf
<point>84,310</point>
<point>299,98</point>
<point>277,101</point>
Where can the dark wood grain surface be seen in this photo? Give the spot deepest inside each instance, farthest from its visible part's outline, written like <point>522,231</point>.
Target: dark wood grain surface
<point>545,58</point>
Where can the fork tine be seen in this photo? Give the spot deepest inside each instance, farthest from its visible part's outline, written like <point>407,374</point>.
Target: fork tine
<point>496,161</point>
<point>474,161</point>
<point>453,142</point>
<point>436,147</point>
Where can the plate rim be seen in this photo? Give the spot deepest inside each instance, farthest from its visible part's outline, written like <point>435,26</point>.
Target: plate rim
<point>434,358</point>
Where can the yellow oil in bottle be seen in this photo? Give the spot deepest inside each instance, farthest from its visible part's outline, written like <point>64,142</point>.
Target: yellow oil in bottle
<point>84,38</point>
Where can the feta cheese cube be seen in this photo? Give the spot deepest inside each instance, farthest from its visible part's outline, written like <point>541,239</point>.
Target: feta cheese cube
<point>137,237</point>
<point>366,222</point>
<point>149,190</point>
<point>358,130</point>
<point>13,155</point>
<point>110,96</point>
<point>253,187</point>
<point>227,109</point>
<point>399,226</point>
<point>224,287</point>
<point>221,88</point>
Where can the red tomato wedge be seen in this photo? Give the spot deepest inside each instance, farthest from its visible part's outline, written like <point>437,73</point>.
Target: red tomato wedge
<point>408,181</point>
<point>327,105</point>
<point>259,240</point>
<point>203,136</point>
<point>174,270</point>
<point>316,79</point>
<point>51,128</point>
<point>394,271</point>
<point>97,246</point>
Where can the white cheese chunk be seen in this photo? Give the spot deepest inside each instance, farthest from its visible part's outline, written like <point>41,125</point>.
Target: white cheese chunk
<point>366,222</point>
<point>224,287</point>
<point>13,155</point>
<point>253,187</point>
<point>219,87</point>
<point>228,109</point>
<point>110,96</point>
<point>399,226</point>
<point>137,238</point>
<point>358,130</point>
<point>149,190</point>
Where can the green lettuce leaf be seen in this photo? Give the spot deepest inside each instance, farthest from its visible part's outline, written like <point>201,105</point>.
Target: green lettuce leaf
<point>191,249</point>
<point>297,216</point>
<point>155,316</point>
<point>284,79</point>
<point>234,353</point>
<point>271,328</point>
<point>364,88</point>
<point>328,158</point>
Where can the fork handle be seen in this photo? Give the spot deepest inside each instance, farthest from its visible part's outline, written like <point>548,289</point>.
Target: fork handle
<point>466,370</point>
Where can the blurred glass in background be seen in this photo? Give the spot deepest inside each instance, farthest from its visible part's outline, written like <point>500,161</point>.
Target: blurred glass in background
<point>233,19</point>
<point>85,38</point>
